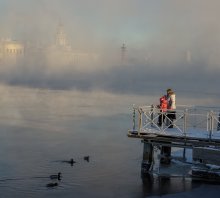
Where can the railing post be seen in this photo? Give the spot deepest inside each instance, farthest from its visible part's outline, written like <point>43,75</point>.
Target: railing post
<point>140,120</point>
<point>162,119</point>
<point>211,124</point>
<point>185,121</point>
<point>207,123</point>
<point>134,124</point>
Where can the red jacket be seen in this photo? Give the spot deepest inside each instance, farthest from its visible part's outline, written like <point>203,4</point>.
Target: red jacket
<point>163,103</point>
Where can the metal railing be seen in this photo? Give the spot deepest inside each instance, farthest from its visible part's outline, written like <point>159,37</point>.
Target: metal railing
<point>189,120</point>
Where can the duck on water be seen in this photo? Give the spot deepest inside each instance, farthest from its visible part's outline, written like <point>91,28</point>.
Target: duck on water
<point>50,185</point>
<point>57,176</point>
<point>71,161</point>
<point>86,158</point>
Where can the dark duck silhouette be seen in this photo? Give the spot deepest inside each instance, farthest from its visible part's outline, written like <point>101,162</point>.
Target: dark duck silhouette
<point>71,161</point>
<point>86,158</point>
<point>57,176</point>
<point>50,185</point>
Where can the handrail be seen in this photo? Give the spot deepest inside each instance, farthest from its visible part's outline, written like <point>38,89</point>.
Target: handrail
<point>188,118</point>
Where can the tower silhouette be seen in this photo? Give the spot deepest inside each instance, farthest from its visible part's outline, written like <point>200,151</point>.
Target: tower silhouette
<point>123,51</point>
<point>61,36</point>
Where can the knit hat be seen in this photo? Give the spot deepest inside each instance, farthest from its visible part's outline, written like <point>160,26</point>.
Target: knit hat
<point>169,90</point>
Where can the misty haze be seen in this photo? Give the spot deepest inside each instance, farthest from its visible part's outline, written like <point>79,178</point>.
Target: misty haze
<point>70,72</point>
<point>167,45</point>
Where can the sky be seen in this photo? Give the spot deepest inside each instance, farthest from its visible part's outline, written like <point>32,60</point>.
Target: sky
<point>169,44</point>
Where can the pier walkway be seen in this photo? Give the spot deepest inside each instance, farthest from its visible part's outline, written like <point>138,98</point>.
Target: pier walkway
<point>195,128</point>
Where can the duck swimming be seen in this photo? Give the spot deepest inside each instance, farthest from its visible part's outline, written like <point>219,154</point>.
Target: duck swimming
<point>52,185</point>
<point>71,161</point>
<point>58,176</point>
<point>86,158</point>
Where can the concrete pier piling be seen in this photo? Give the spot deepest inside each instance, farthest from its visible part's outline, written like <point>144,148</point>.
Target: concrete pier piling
<point>165,155</point>
<point>147,161</point>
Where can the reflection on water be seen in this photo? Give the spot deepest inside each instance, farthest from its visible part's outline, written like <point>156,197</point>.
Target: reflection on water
<point>153,184</point>
<point>41,129</point>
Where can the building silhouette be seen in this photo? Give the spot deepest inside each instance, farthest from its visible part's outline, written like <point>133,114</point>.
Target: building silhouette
<point>58,54</point>
<point>11,51</point>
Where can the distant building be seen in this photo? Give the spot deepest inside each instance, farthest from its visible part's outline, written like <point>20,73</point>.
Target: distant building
<point>61,53</point>
<point>58,54</point>
<point>11,52</point>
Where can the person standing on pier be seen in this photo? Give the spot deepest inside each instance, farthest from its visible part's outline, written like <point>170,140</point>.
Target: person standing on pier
<point>163,108</point>
<point>171,115</point>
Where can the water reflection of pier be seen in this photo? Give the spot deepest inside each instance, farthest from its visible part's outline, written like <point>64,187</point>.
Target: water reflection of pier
<point>166,185</point>
<point>195,133</point>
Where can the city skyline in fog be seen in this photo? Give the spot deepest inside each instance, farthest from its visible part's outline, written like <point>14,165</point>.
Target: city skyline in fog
<point>168,43</point>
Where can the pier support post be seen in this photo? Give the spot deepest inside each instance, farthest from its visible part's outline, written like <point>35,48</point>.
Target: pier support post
<point>165,155</point>
<point>147,161</point>
<point>218,125</point>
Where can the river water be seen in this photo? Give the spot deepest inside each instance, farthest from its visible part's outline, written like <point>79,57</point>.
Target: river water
<point>41,129</point>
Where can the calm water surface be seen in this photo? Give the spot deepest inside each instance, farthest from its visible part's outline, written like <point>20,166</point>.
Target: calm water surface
<point>40,128</point>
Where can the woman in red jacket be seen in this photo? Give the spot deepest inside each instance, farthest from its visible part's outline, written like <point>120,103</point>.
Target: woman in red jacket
<point>163,108</point>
